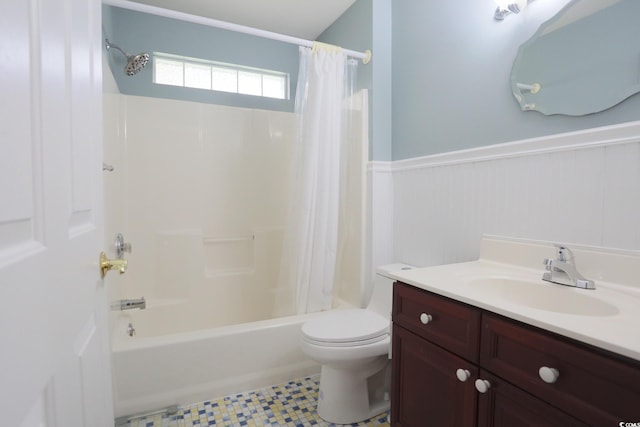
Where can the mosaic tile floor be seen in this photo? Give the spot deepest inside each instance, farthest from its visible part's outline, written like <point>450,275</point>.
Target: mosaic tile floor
<point>286,405</point>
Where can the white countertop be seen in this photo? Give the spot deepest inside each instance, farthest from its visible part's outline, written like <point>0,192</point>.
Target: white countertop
<point>607,317</point>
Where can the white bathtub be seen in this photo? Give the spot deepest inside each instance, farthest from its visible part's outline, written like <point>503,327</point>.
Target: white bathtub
<point>168,362</point>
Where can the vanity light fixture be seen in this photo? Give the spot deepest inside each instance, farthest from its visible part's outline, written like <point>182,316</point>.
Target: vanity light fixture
<point>506,7</point>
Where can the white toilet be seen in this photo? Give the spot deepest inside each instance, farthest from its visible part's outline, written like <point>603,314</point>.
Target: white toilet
<point>353,346</point>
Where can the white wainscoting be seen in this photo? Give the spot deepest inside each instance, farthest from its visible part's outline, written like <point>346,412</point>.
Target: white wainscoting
<point>380,194</point>
<point>579,187</point>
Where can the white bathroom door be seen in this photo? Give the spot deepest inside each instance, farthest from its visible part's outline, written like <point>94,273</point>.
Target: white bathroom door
<point>54,350</point>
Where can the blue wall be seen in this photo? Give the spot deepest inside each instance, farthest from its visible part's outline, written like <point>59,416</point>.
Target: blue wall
<point>382,80</point>
<point>451,70</point>
<point>438,81</point>
<point>137,32</point>
<point>353,30</point>
<point>367,25</point>
<point>107,21</point>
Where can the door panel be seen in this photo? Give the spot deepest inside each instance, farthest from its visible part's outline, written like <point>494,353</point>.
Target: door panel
<point>53,313</point>
<point>21,213</point>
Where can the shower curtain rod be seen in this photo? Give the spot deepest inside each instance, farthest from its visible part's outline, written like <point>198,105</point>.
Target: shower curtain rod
<point>167,13</point>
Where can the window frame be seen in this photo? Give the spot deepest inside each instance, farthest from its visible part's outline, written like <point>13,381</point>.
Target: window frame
<point>160,57</point>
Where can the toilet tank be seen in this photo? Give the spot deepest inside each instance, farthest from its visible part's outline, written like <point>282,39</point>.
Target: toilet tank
<point>382,295</point>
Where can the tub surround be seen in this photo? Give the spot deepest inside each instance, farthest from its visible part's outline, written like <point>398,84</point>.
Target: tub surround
<point>218,241</point>
<point>221,240</point>
<point>601,317</point>
<point>207,260</point>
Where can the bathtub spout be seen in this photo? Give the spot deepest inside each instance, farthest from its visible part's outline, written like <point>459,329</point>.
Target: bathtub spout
<point>128,304</point>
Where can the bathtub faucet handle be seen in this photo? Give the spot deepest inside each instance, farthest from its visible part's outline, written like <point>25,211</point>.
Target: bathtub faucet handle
<point>121,246</point>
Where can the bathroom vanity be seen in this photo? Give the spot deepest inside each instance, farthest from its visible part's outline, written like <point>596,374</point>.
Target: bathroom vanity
<point>466,354</point>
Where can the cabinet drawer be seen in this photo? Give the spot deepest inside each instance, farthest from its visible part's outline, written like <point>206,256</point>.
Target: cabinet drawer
<point>591,386</point>
<point>450,324</point>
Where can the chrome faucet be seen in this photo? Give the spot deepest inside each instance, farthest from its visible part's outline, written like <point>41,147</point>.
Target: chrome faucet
<point>562,270</point>
<point>128,304</point>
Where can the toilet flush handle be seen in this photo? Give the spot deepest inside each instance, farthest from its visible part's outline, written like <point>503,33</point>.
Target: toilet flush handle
<point>425,318</point>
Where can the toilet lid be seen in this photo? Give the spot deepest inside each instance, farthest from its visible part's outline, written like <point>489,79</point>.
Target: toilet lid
<point>346,326</point>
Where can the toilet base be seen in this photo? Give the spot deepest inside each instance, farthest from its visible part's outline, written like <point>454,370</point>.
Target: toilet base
<point>346,396</point>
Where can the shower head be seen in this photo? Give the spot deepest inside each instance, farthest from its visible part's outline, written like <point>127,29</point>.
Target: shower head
<point>135,63</point>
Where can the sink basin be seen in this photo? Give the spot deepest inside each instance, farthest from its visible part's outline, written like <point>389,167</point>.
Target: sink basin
<point>545,296</point>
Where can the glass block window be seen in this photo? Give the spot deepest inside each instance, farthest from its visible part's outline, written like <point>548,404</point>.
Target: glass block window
<point>202,74</point>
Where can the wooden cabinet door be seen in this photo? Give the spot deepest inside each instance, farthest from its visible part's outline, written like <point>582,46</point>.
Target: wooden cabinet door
<point>504,405</point>
<point>425,390</point>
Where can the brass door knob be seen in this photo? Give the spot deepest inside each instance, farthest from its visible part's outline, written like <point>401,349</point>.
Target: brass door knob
<point>107,264</point>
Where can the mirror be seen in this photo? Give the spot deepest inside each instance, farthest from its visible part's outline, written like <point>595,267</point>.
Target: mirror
<point>584,60</point>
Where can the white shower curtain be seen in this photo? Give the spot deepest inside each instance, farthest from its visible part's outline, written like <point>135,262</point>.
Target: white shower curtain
<point>325,81</point>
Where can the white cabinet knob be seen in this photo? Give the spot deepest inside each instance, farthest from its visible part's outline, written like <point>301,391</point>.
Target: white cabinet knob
<point>482,386</point>
<point>463,374</point>
<point>425,318</point>
<point>548,375</point>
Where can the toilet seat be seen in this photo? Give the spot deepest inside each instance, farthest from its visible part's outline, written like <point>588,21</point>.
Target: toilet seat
<point>346,328</point>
